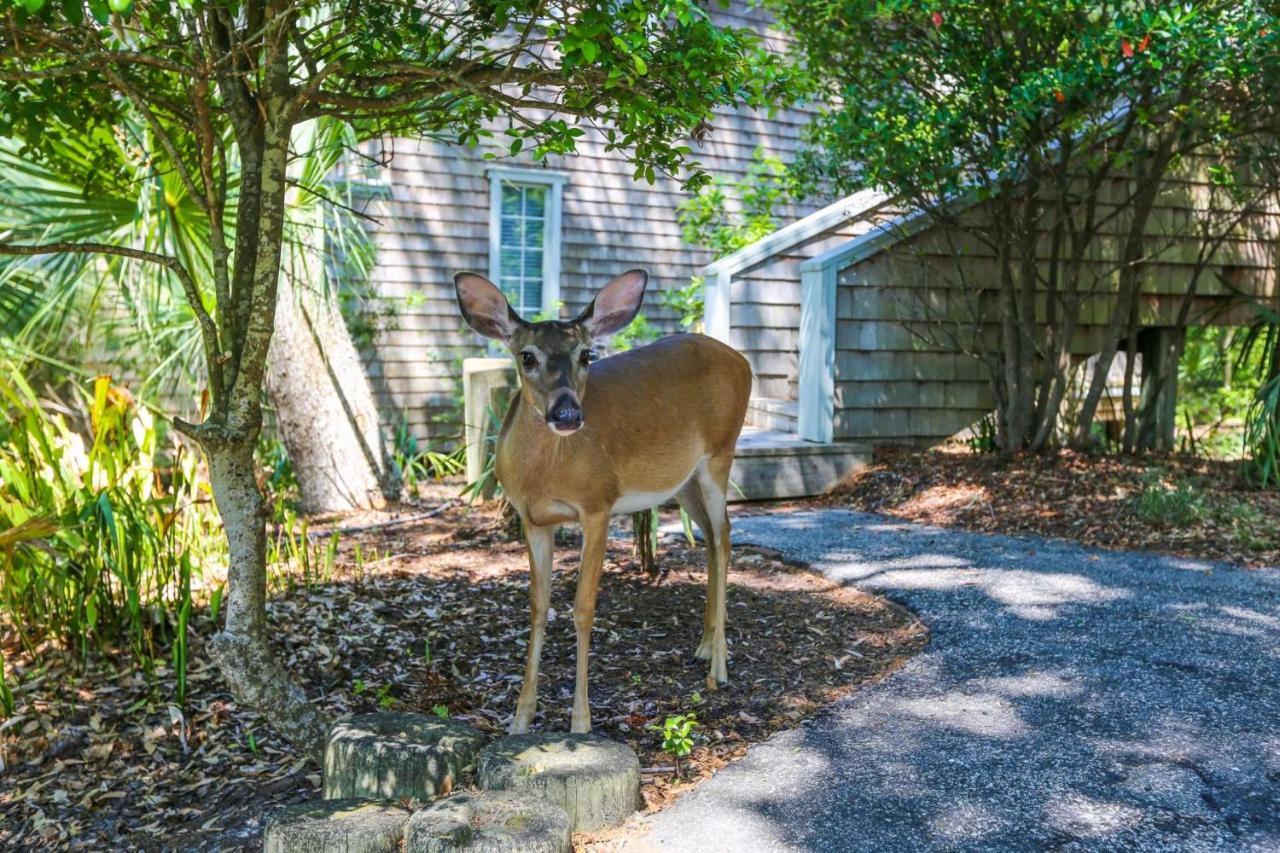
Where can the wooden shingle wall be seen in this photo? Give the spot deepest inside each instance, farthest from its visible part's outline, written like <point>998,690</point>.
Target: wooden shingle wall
<point>901,378</point>
<point>434,220</point>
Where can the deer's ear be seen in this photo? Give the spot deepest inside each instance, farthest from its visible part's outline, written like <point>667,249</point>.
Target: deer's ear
<point>484,307</point>
<point>616,305</point>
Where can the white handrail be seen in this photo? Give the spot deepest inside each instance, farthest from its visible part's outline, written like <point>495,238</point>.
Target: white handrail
<point>718,275</point>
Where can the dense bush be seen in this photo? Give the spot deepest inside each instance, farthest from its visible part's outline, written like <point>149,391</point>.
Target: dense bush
<point>106,526</point>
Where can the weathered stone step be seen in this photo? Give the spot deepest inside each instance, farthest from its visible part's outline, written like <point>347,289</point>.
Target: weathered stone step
<point>595,780</point>
<point>389,756</point>
<point>335,826</point>
<point>488,822</point>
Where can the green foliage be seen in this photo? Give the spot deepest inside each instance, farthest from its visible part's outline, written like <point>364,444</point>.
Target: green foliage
<point>417,465</point>
<point>677,732</point>
<point>916,85</point>
<point>1262,425</point>
<point>102,536</point>
<point>686,302</point>
<point>637,333</point>
<point>982,437</point>
<point>648,78</point>
<point>1169,505</point>
<point>708,218</point>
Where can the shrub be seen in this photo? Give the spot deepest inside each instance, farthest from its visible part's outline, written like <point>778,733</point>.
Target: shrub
<point>102,540</point>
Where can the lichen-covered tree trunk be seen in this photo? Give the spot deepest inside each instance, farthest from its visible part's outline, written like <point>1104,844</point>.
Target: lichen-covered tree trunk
<point>243,649</point>
<point>324,408</point>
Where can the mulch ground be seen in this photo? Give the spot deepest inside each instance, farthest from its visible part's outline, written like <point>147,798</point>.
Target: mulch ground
<point>1193,507</point>
<point>430,617</point>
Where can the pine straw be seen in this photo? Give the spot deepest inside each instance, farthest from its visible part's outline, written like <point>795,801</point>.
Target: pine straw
<point>1093,500</point>
<point>97,759</point>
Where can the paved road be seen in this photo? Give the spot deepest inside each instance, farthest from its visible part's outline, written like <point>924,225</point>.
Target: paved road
<point>1069,700</point>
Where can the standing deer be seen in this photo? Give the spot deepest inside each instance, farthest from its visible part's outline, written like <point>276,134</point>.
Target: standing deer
<point>587,439</point>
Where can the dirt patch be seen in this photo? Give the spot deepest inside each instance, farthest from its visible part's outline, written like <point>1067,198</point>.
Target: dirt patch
<point>1180,505</point>
<point>430,616</point>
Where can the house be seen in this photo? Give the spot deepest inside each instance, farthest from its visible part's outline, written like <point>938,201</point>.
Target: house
<point>817,307</point>
<point>550,233</point>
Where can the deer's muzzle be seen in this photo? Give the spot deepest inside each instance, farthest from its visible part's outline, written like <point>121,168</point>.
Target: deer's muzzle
<point>564,416</point>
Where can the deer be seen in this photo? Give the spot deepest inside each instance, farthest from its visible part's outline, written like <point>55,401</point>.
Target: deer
<point>586,438</point>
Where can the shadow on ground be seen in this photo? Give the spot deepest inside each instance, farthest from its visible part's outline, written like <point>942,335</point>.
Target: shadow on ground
<point>1069,700</point>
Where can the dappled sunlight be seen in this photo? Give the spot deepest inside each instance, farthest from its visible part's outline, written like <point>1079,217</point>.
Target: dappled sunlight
<point>965,821</point>
<point>1085,817</point>
<point>1027,594</point>
<point>985,714</point>
<point>1032,684</point>
<point>942,501</point>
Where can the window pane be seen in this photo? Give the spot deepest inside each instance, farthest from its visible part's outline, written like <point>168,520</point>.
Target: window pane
<point>532,298</point>
<point>535,201</point>
<point>532,267</point>
<point>533,231</point>
<point>510,200</point>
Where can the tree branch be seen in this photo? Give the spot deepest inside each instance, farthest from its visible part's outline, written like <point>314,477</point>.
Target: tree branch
<point>208,330</point>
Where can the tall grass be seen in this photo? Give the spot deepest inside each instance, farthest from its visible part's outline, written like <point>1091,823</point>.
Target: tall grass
<point>101,537</point>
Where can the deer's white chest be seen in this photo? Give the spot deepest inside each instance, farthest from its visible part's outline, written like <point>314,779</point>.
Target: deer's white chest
<point>638,501</point>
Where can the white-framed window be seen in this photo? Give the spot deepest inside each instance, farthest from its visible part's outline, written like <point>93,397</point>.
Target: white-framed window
<point>524,237</point>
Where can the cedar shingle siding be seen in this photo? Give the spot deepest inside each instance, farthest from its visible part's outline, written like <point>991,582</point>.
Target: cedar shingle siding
<point>434,221</point>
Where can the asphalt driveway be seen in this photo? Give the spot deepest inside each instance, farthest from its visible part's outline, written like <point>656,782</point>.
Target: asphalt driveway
<point>1070,699</point>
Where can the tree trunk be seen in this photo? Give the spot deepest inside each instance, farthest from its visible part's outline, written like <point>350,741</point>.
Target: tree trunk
<point>324,407</point>
<point>243,650</point>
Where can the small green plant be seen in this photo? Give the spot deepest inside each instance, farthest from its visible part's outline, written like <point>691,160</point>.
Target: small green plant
<point>441,711</point>
<point>251,742</point>
<point>982,436</point>
<point>677,732</point>
<point>417,465</point>
<point>104,525</point>
<point>358,686</point>
<point>637,333</point>
<point>706,219</point>
<point>385,699</point>
<point>1161,503</point>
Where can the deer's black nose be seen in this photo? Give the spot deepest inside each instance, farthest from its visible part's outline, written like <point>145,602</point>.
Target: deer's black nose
<point>565,415</point>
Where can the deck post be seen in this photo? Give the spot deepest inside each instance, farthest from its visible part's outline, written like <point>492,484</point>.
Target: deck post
<point>1161,349</point>
<point>716,304</point>
<point>817,352</point>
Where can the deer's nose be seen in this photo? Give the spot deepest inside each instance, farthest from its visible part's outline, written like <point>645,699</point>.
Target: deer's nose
<point>565,415</point>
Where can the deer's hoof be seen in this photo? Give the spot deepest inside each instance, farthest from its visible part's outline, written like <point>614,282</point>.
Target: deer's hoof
<point>704,651</point>
<point>518,727</point>
<point>714,683</point>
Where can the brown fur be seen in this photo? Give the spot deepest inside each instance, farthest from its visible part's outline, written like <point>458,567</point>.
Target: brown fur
<point>658,421</point>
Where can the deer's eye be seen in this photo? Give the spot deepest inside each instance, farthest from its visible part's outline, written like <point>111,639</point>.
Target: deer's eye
<point>587,356</point>
<point>528,360</point>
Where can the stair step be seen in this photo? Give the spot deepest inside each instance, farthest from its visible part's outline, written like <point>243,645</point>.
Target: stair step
<point>771,465</point>
<point>771,413</point>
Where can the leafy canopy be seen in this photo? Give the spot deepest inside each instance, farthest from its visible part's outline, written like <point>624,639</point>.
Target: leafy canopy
<point>540,71</point>
<point>936,96</point>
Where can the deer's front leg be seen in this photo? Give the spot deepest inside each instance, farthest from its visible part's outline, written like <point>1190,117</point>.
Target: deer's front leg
<point>595,536</point>
<point>541,543</point>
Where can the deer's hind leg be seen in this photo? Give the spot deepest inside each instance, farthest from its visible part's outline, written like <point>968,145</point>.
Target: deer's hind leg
<point>705,499</point>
